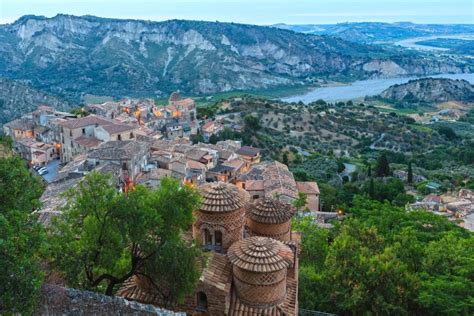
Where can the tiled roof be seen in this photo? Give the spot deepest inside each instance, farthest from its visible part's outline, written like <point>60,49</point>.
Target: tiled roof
<point>87,141</point>
<point>116,150</point>
<point>118,128</point>
<point>248,151</point>
<point>234,163</point>
<point>196,165</point>
<point>221,168</point>
<point>222,197</point>
<point>254,185</point>
<point>271,211</point>
<point>195,154</point>
<point>85,121</point>
<point>307,187</point>
<point>260,254</point>
<point>278,180</point>
<point>20,124</point>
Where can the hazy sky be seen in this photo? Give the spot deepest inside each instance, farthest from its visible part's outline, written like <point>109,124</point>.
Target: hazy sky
<point>252,11</point>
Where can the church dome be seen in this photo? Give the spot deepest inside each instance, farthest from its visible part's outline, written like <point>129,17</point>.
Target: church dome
<point>222,197</point>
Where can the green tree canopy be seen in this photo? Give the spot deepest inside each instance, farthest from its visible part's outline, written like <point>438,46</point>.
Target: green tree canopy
<point>20,238</point>
<point>104,237</point>
<point>384,260</point>
<point>382,169</point>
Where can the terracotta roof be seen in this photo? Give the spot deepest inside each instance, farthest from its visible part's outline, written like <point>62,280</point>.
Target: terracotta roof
<point>254,185</point>
<point>118,128</point>
<point>85,121</point>
<point>87,141</point>
<point>208,125</point>
<point>307,187</point>
<point>117,150</point>
<point>222,197</point>
<point>248,151</point>
<point>234,163</point>
<point>195,154</point>
<point>20,124</point>
<point>196,165</point>
<point>260,254</point>
<point>271,211</point>
<point>188,102</point>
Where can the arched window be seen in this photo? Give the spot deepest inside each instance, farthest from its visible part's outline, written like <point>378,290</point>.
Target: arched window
<point>218,240</point>
<point>207,238</point>
<point>201,301</point>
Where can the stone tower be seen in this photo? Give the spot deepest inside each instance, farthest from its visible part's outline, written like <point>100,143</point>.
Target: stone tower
<point>220,219</point>
<point>270,218</point>
<point>259,268</point>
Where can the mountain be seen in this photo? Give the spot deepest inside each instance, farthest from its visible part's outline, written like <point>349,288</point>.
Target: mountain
<point>430,90</point>
<point>374,32</point>
<point>17,98</point>
<point>71,56</point>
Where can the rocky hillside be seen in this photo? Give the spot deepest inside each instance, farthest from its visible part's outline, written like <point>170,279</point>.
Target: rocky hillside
<point>17,98</point>
<point>71,56</point>
<point>429,91</point>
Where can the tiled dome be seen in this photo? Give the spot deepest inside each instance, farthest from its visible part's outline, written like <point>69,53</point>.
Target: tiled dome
<point>260,254</point>
<point>271,211</point>
<point>222,197</point>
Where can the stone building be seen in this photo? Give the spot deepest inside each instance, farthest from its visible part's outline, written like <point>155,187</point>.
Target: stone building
<point>254,276</point>
<point>220,220</point>
<point>270,218</point>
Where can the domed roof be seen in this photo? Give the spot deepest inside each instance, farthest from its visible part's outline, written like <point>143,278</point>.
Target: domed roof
<point>222,197</point>
<point>260,254</point>
<point>271,211</point>
<point>175,96</point>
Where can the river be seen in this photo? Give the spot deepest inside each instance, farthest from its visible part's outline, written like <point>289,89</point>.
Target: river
<point>413,43</point>
<point>362,88</point>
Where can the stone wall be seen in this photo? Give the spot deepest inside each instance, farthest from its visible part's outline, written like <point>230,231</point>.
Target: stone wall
<point>57,300</point>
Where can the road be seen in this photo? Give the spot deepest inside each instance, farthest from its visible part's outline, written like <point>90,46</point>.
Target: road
<point>378,140</point>
<point>52,171</point>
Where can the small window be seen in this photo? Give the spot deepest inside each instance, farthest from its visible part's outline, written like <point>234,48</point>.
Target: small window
<point>83,131</point>
<point>119,137</point>
<point>201,301</point>
<point>131,135</point>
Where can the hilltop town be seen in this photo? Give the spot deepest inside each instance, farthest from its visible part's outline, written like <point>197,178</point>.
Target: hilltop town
<point>247,205</point>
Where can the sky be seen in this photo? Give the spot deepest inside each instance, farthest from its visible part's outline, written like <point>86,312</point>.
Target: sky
<point>262,12</point>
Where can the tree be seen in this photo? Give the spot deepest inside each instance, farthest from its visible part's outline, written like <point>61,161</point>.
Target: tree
<point>301,201</point>
<point>369,170</point>
<point>251,123</point>
<point>198,138</point>
<point>21,237</point>
<point>371,188</point>
<point>227,133</point>
<point>105,237</point>
<point>284,158</point>
<point>382,169</point>
<point>410,173</point>
<point>213,139</point>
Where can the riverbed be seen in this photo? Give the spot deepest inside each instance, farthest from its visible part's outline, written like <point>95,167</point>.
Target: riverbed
<point>362,88</point>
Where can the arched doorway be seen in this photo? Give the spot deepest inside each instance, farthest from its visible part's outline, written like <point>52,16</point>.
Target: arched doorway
<point>207,239</point>
<point>201,302</point>
<point>218,240</point>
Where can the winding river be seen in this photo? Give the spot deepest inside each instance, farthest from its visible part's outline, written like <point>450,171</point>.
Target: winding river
<point>362,88</point>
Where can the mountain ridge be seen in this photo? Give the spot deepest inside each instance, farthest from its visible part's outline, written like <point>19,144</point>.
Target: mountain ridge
<point>70,56</point>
